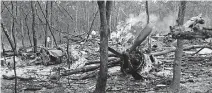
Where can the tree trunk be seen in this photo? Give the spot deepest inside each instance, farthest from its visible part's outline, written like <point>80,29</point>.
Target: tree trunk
<point>50,21</point>
<point>149,37</point>
<point>104,9</point>
<point>147,12</point>
<point>46,30</point>
<point>178,53</point>
<point>22,33</point>
<point>33,27</point>
<point>28,32</point>
<point>108,16</point>
<point>76,17</point>
<point>87,16</point>
<point>15,45</point>
<point>68,55</point>
<point>8,37</point>
<point>13,27</point>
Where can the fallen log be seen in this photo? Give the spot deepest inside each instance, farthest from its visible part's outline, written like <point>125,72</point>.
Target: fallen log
<point>185,48</point>
<point>19,77</point>
<point>191,30</point>
<point>94,73</point>
<point>88,75</point>
<point>32,88</point>
<point>192,35</point>
<point>75,71</point>
<point>86,69</point>
<point>98,61</point>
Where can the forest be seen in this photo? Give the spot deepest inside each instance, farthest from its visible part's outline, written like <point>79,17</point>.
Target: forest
<point>106,46</point>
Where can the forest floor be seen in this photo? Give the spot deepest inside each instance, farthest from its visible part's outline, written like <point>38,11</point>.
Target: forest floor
<point>196,78</point>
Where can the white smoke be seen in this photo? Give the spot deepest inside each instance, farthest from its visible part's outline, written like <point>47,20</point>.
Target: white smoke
<point>141,18</point>
<point>127,30</point>
<point>162,26</point>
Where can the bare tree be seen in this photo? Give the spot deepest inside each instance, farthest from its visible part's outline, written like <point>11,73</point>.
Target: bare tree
<point>76,9</point>
<point>50,20</point>
<point>104,10</point>
<point>46,30</point>
<point>22,32</point>
<point>14,51</point>
<point>33,27</point>
<point>149,37</point>
<point>179,52</point>
<point>13,26</point>
<point>26,24</point>
<point>108,16</point>
<point>13,46</point>
<point>147,12</point>
<point>48,24</point>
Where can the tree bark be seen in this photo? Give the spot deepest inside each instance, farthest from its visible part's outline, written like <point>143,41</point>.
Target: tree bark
<point>33,28</point>
<point>175,86</point>
<point>104,9</point>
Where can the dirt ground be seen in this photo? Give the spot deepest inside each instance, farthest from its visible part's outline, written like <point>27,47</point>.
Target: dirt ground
<point>196,78</point>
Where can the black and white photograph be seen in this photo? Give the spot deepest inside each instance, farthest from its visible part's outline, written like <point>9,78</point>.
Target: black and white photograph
<point>106,46</point>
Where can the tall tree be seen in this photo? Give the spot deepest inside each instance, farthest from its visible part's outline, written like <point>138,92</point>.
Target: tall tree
<point>50,20</point>
<point>15,45</point>
<point>175,86</point>
<point>33,27</point>
<point>149,37</point>
<point>108,16</point>
<point>48,24</point>
<point>147,12</point>
<point>14,51</point>
<point>13,26</point>
<point>76,10</point>
<point>25,21</point>
<point>22,32</point>
<point>105,11</point>
<point>46,29</point>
